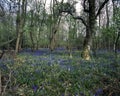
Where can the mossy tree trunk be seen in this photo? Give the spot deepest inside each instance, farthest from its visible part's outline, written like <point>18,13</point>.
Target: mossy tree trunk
<point>90,30</point>
<point>90,25</point>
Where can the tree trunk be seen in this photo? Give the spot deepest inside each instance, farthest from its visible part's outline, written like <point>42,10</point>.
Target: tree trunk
<point>17,42</point>
<point>31,30</point>
<point>19,31</point>
<point>32,41</point>
<point>116,42</point>
<point>107,14</point>
<point>20,22</point>
<point>54,30</point>
<point>53,39</point>
<point>90,30</point>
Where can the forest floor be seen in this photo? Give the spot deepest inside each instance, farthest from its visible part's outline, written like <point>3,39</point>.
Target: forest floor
<point>45,73</point>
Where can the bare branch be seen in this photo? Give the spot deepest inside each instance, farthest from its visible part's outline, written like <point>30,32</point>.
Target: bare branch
<point>75,17</point>
<point>80,18</point>
<point>100,8</point>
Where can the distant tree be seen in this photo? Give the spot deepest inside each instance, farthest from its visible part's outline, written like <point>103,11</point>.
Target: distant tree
<point>2,13</point>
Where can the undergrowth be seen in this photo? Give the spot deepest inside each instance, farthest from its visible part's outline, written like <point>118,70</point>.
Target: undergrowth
<point>44,73</point>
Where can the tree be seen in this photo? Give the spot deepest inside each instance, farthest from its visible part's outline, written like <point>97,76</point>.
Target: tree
<point>116,20</point>
<point>2,13</point>
<point>20,22</point>
<point>89,7</point>
<point>55,20</point>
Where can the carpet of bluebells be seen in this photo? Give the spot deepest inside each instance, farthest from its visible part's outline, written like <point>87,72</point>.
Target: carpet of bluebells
<point>46,73</point>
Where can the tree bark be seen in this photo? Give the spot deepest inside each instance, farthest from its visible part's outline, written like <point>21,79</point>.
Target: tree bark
<point>90,30</point>
<point>20,22</point>
<point>31,30</point>
<point>54,30</point>
<point>107,15</point>
<point>53,38</point>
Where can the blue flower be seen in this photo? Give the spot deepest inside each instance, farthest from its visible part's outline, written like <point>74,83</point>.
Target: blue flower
<point>98,92</point>
<point>35,88</point>
<point>62,94</point>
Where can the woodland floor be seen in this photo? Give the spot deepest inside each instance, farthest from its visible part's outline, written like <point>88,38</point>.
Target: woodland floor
<point>45,73</point>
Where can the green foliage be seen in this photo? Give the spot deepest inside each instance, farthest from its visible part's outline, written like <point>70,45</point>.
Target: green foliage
<point>7,31</point>
<point>41,75</point>
<point>116,17</point>
<point>108,32</point>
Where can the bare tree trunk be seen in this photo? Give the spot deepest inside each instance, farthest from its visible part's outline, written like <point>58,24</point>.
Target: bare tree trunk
<point>90,30</point>
<point>31,30</point>
<point>20,22</point>
<point>107,14</point>
<point>53,38</point>
<point>54,30</point>
<point>17,42</point>
<point>116,42</point>
<point>32,40</point>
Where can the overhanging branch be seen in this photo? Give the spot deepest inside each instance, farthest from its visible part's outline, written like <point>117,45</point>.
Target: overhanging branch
<point>75,17</point>
<point>80,18</point>
<point>100,8</point>
<point>7,42</point>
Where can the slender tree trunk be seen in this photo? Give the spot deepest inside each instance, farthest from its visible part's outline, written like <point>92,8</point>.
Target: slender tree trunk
<point>17,42</point>
<point>116,42</point>
<point>19,33</point>
<point>31,31</point>
<point>20,22</point>
<point>54,30</point>
<point>18,29</point>
<point>107,15</point>
<point>32,41</point>
<point>53,39</point>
